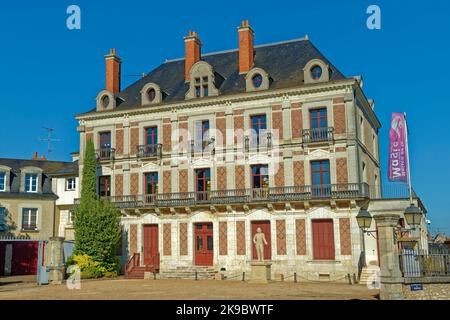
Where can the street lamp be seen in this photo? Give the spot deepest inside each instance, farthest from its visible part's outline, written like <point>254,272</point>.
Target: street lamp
<point>364,219</point>
<point>413,216</point>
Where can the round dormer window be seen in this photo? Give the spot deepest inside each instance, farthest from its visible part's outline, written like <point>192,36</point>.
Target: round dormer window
<point>316,72</point>
<point>257,80</point>
<point>105,101</point>
<point>151,94</point>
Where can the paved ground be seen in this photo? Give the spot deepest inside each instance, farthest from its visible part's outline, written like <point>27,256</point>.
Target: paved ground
<point>25,288</point>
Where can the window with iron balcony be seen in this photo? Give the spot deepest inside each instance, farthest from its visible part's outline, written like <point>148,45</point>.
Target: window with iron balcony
<point>151,148</point>
<point>105,151</point>
<point>259,137</point>
<point>319,130</point>
<point>150,186</point>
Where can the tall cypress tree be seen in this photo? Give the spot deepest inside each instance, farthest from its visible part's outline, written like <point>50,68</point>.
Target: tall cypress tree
<point>97,221</point>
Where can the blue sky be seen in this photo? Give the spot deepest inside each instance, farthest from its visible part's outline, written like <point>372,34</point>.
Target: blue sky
<point>49,73</point>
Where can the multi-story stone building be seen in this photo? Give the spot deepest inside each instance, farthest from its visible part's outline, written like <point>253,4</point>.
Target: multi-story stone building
<point>203,150</point>
<point>27,199</point>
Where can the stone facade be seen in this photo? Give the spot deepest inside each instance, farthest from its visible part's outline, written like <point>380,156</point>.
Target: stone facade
<point>289,200</point>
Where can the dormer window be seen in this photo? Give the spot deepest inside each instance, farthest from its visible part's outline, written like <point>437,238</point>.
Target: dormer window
<point>257,80</point>
<point>201,87</point>
<point>316,72</point>
<point>151,94</point>
<point>2,181</point>
<point>105,101</point>
<point>203,81</point>
<point>31,182</point>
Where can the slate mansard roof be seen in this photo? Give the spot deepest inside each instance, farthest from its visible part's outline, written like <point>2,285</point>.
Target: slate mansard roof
<point>284,62</point>
<point>49,168</point>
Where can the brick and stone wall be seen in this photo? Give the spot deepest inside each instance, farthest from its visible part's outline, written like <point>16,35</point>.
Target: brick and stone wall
<point>433,289</point>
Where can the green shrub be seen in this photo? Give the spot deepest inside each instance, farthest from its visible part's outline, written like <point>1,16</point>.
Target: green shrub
<point>89,268</point>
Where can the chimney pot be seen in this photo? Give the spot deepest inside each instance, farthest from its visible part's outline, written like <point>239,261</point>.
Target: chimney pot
<point>35,156</point>
<point>113,71</point>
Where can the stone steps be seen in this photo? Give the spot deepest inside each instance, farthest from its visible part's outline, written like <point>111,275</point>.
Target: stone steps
<point>368,275</point>
<point>188,273</point>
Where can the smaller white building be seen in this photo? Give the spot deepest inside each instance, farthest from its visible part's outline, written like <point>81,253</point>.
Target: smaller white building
<point>65,184</point>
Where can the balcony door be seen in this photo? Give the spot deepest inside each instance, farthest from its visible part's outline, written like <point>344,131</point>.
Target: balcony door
<point>151,141</point>
<point>318,124</point>
<point>320,177</point>
<point>259,130</point>
<point>201,135</point>
<point>105,145</point>
<point>151,186</point>
<point>260,181</point>
<point>104,186</point>
<point>204,244</point>
<point>202,180</point>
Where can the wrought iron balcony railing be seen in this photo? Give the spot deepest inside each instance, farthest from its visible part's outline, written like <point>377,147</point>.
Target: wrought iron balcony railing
<point>245,196</point>
<point>261,141</point>
<point>202,147</point>
<point>318,134</point>
<point>105,153</point>
<point>150,151</point>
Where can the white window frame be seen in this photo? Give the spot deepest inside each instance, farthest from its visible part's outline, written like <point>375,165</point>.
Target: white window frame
<point>2,173</point>
<point>28,210</point>
<point>31,184</point>
<point>68,184</point>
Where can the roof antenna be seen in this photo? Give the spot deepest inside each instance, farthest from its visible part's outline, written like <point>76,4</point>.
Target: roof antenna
<point>49,140</point>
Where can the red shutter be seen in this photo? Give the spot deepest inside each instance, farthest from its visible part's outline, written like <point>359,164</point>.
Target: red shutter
<point>323,239</point>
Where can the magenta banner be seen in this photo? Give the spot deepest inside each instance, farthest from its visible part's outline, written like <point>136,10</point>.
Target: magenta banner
<point>397,149</point>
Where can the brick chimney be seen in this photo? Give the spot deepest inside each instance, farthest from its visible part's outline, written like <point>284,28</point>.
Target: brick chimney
<point>41,158</point>
<point>113,63</point>
<point>246,51</point>
<point>193,52</point>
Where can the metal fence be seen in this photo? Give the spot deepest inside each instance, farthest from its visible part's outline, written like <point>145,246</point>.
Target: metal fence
<point>414,264</point>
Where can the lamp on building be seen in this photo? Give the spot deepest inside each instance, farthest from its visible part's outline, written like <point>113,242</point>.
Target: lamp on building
<point>364,219</point>
<point>413,216</point>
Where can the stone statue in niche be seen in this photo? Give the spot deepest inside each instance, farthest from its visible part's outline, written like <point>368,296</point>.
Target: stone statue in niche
<point>260,241</point>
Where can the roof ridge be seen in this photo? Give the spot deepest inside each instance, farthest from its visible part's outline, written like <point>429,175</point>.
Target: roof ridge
<point>305,38</point>
<point>43,161</point>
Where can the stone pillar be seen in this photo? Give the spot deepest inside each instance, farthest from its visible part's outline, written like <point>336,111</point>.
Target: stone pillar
<point>56,265</point>
<point>391,277</point>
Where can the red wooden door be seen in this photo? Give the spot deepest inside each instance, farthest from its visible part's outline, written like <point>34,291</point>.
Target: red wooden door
<point>151,247</point>
<point>323,239</point>
<point>265,227</point>
<point>204,244</point>
<point>24,258</point>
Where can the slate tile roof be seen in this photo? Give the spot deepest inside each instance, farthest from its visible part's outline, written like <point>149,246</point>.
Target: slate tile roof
<point>48,167</point>
<point>284,61</point>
